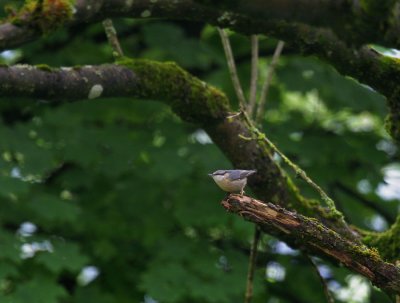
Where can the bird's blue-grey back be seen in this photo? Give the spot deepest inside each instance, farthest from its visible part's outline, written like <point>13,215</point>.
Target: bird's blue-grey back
<point>238,174</point>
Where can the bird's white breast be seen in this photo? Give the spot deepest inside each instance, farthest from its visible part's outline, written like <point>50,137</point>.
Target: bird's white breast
<point>228,185</point>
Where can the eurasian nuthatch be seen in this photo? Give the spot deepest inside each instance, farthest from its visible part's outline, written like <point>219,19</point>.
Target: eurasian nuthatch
<point>232,180</point>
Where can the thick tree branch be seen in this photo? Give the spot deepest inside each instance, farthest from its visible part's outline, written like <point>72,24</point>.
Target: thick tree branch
<point>363,64</point>
<point>356,22</point>
<point>387,242</point>
<point>309,234</point>
<point>193,100</point>
<point>62,84</point>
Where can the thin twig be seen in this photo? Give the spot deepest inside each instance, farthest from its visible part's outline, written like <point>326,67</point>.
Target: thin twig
<point>302,174</point>
<point>328,295</point>
<point>299,172</point>
<point>268,79</point>
<point>398,296</point>
<point>111,34</point>
<point>254,75</point>
<point>233,115</point>
<point>232,67</point>
<point>252,261</point>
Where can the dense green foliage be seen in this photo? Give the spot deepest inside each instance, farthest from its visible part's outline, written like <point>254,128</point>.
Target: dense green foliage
<point>122,185</point>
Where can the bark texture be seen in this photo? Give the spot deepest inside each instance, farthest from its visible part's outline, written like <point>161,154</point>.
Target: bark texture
<point>309,234</point>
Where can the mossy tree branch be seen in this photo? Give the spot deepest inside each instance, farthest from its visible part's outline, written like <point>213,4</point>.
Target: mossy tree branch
<point>355,22</point>
<point>310,235</point>
<point>387,242</point>
<point>193,100</point>
<point>362,63</point>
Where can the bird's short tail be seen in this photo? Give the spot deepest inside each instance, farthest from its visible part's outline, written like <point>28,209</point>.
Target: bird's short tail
<point>250,172</point>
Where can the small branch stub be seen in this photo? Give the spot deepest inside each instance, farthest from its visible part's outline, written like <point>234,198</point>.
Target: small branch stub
<point>111,34</point>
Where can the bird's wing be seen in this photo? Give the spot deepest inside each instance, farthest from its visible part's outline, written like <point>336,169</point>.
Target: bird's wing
<point>241,174</point>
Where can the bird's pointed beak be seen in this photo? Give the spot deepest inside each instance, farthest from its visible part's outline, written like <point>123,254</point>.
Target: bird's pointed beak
<point>210,175</point>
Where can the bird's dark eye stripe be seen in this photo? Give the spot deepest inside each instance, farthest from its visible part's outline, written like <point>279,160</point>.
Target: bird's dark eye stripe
<point>218,173</point>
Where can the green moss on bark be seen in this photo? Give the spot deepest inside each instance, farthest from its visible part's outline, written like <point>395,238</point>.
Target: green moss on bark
<point>188,96</point>
<point>44,67</point>
<point>387,243</point>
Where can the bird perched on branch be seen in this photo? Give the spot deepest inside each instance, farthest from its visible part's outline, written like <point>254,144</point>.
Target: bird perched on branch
<point>232,180</point>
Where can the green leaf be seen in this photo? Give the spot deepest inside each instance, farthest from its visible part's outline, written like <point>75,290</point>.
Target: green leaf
<point>65,256</point>
<point>7,270</point>
<point>9,247</point>
<point>41,289</point>
<point>53,208</point>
